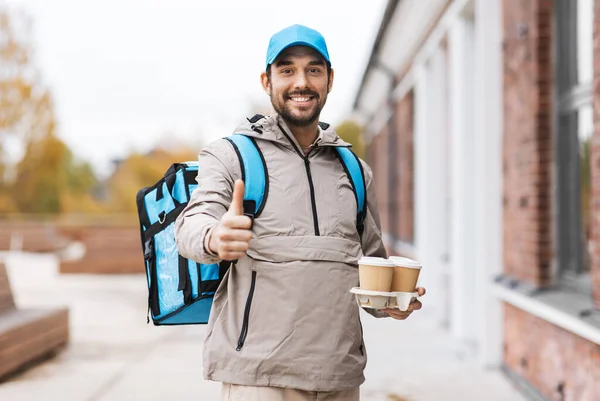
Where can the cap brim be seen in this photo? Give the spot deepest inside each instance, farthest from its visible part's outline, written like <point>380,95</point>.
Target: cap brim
<point>297,43</point>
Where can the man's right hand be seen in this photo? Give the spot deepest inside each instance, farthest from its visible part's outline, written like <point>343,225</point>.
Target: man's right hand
<point>231,237</point>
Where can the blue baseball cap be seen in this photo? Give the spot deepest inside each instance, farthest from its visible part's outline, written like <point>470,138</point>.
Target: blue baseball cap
<point>296,35</point>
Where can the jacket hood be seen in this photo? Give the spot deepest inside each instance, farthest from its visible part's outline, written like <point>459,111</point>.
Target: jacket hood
<point>274,129</point>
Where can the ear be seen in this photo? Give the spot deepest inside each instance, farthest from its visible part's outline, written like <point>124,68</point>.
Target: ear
<point>265,82</point>
<point>330,83</point>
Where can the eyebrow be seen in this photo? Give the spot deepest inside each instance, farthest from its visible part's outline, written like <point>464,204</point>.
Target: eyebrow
<point>284,62</point>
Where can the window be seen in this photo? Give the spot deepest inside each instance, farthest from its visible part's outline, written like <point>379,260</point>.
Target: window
<point>574,128</point>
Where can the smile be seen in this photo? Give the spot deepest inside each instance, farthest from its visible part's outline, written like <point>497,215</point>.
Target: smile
<point>301,100</point>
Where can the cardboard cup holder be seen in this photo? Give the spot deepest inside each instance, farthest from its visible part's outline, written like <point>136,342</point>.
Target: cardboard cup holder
<point>381,300</point>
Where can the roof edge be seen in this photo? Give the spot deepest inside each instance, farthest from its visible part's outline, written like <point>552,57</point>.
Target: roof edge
<point>385,22</point>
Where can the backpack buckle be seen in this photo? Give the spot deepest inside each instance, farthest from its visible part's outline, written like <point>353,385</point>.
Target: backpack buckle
<point>249,209</point>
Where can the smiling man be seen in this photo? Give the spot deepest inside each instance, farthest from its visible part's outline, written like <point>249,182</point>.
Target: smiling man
<point>284,325</point>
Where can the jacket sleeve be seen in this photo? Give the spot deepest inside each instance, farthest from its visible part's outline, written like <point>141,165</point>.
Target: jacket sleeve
<point>372,242</point>
<point>218,168</point>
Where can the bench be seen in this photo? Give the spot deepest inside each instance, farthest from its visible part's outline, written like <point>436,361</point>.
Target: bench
<point>27,336</point>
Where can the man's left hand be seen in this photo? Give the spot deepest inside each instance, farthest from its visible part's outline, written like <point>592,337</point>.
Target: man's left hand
<point>402,315</point>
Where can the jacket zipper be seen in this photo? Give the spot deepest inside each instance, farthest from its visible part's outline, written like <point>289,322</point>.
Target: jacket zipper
<point>312,194</point>
<point>362,342</point>
<point>310,181</point>
<point>244,331</point>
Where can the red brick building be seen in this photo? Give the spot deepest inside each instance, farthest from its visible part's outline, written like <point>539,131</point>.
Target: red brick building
<point>483,124</point>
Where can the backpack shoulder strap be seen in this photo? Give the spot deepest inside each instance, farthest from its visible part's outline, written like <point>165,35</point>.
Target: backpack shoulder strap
<point>355,173</point>
<point>254,173</point>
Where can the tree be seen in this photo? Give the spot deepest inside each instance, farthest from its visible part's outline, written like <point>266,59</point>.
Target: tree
<point>48,179</point>
<point>138,171</point>
<point>23,97</point>
<point>351,132</point>
<point>21,94</point>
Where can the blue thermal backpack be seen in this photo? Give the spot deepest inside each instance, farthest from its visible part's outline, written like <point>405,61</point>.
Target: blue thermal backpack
<point>180,290</point>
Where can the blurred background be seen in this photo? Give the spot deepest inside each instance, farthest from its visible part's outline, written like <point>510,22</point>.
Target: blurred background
<point>477,116</point>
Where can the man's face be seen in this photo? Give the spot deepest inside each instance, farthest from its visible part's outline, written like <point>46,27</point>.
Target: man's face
<point>298,85</point>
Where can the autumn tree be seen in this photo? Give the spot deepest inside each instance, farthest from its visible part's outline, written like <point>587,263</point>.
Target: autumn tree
<point>48,179</point>
<point>17,77</point>
<point>20,92</point>
<point>138,171</point>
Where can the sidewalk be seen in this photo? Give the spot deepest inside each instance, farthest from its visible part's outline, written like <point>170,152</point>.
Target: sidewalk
<point>115,356</point>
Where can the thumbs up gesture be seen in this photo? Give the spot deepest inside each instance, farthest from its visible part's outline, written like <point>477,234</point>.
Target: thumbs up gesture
<point>231,237</point>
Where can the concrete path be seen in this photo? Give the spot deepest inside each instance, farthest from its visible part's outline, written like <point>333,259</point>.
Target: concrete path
<point>115,356</point>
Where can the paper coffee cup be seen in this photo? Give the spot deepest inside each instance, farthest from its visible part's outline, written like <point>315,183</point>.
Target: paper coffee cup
<point>375,274</point>
<point>406,274</point>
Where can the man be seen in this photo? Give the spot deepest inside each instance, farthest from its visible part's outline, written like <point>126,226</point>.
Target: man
<point>284,325</point>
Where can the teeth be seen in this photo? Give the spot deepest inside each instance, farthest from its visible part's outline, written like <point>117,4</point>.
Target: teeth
<point>300,99</point>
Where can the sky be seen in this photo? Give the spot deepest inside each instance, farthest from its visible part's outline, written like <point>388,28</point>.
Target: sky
<point>128,74</point>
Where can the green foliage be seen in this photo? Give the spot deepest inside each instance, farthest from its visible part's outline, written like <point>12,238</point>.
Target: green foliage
<point>586,181</point>
<point>49,179</point>
<point>351,132</point>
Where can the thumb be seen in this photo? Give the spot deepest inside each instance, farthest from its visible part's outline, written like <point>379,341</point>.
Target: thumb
<point>237,200</point>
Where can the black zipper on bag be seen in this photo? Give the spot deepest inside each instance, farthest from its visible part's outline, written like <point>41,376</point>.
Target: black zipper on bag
<point>310,181</point>
<point>153,304</point>
<point>244,331</point>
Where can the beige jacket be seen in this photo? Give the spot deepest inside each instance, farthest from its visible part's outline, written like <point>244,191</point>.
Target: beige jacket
<point>283,315</point>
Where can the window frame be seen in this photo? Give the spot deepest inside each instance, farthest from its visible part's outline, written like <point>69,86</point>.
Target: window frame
<point>571,96</point>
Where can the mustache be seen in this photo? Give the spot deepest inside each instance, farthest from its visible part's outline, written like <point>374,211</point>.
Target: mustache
<point>302,93</point>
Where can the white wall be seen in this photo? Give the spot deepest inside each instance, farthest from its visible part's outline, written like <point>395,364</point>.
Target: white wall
<point>461,43</point>
<point>458,169</point>
<point>488,181</point>
<point>420,130</point>
<point>458,163</point>
<point>431,191</point>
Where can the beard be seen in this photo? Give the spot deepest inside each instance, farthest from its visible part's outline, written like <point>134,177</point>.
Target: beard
<point>293,116</point>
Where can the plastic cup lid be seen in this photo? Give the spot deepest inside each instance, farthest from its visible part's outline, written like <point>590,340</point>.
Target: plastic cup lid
<point>373,261</point>
<point>405,262</point>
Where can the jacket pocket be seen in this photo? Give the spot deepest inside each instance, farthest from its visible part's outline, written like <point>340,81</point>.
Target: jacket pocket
<point>244,331</point>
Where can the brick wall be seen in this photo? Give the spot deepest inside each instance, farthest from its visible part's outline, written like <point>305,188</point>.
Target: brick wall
<point>31,236</point>
<point>559,364</point>
<point>378,163</point>
<point>527,140</point>
<point>595,161</point>
<point>405,161</point>
<point>109,249</point>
